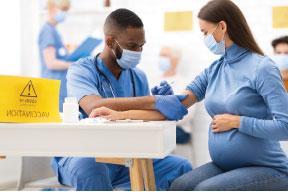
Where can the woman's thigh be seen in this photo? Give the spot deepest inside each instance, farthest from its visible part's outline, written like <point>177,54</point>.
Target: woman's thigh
<point>191,179</point>
<point>247,178</point>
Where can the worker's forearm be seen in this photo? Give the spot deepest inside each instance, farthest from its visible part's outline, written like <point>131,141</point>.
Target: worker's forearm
<point>121,104</point>
<point>147,115</point>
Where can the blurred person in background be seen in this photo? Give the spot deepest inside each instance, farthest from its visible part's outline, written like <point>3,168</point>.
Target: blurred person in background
<point>280,47</point>
<point>51,48</point>
<point>169,60</point>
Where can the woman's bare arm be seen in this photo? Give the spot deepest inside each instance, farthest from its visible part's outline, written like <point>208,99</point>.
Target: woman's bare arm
<point>146,115</point>
<point>190,99</point>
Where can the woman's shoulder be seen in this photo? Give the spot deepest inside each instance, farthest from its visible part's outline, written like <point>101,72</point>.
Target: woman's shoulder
<point>255,62</point>
<point>263,62</point>
<point>263,67</point>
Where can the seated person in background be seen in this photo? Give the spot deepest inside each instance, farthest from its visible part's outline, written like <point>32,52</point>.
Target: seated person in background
<point>106,81</point>
<point>169,59</point>
<point>280,46</point>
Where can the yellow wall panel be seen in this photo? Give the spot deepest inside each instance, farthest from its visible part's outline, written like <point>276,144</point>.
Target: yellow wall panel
<point>280,17</point>
<point>178,21</point>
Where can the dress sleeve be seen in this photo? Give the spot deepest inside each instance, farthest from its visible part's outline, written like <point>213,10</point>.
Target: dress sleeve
<point>269,85</point>
<point>199,84</point>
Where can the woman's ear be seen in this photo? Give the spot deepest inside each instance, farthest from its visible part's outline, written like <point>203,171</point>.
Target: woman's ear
<point>223,26</point>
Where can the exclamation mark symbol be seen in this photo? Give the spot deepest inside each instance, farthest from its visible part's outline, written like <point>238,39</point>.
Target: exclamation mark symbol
<point>29,87</point>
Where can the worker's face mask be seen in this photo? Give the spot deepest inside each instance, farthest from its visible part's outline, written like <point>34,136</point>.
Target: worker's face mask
<point>213,45</point>
<point>164,63</point>
<point>129,59</point>
<point>60,16</point>
<point>281,61</point>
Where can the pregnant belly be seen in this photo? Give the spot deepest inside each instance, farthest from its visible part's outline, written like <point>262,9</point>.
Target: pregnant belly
<point>232,149</point>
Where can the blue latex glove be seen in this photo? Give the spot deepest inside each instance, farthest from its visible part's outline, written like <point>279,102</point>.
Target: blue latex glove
<point>170,106</point>
<point>163,89</point>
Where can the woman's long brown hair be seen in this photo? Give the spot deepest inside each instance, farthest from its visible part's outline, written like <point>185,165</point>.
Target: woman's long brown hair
<point>237,28</point>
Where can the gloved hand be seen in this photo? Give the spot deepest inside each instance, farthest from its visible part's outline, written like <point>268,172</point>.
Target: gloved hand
<point>163,89</point>
<point>170,106</point>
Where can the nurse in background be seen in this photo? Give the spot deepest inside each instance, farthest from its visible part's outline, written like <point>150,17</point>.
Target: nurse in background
<point>51,48</point>
<point>280,46</point>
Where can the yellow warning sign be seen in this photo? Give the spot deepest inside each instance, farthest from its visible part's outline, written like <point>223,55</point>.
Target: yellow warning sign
<point>24,99</point>
<point>280,17</point>
<point>29,90</point>
<point>178,21</point>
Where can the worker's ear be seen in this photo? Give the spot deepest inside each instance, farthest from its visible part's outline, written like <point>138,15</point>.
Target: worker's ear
<point>110,41</point>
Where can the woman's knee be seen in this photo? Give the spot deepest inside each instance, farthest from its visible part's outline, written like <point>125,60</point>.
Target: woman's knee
<point>179,185</point>
<point>183,183</point>
<point>191,179</point>
<point>208,186</point>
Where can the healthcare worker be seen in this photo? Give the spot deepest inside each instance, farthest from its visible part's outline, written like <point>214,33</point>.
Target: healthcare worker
<point>245,97</point>
<point>51,48</point>
<point>280,47</point>
<point>105,80</point>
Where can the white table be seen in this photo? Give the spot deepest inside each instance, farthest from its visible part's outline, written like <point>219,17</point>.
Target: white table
<point>132,144</point>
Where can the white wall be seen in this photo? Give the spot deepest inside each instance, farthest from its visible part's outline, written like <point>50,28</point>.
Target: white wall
<point>10,52</point>
<point>29,37</point>
<point>10,37</point>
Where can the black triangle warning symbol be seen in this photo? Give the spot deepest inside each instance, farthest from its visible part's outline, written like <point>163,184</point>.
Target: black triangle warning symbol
<point>29,90</point>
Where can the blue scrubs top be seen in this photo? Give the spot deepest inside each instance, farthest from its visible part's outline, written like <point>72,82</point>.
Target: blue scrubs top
<point>249,85</point>
<point>49,36</point>
<point>84,79</point>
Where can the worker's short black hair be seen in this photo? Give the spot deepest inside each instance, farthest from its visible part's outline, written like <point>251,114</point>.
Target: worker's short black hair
<point>122,19</point>
<point>280,40</point>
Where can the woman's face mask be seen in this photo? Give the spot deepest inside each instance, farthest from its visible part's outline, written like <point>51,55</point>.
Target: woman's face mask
<point>129,59</point>
<point>213,45</point>
<point>164,63</point>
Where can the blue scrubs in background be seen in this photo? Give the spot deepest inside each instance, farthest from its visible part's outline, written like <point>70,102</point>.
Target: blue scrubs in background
<point>50,37</point>
<point>86,174</point>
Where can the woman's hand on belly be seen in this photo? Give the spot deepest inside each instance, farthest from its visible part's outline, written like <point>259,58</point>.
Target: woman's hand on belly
<point>225,122</point>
